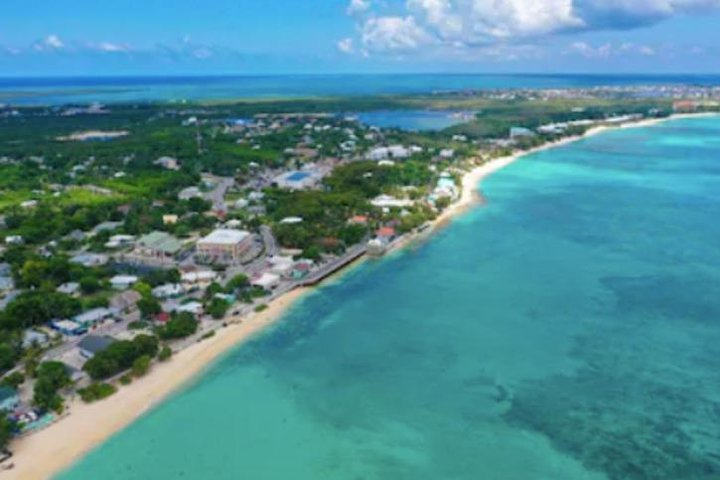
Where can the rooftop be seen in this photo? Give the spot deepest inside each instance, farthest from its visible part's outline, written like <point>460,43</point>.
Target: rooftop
<point>95,343</point>
<point>162,242</point>
<point>225,237</point>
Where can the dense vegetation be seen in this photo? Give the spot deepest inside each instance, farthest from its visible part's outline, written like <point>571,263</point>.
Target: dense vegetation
<point>120,356</point>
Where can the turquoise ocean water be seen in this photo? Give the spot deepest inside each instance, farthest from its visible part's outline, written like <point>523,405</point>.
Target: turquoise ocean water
<point>567,330</point>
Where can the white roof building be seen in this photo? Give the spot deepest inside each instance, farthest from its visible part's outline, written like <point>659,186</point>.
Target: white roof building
<point>386,201</point>
<point>267,281</point>
<point>201,276</point>
<point>447,153</point>
<point>123,281</point>
<point>191,307</point>
<point>168,290</point>
<point>225,245</point>
<point>225,236</point>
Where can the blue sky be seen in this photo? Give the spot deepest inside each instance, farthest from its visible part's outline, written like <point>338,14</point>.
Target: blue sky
<point>111,37</point>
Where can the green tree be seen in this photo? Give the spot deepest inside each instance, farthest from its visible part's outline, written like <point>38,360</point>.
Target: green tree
<point>181,325</point>
<point>141,366</point>
<point>218,308</point>
<point>238,281</point>
<point>149,306</point>
<point>14,380</point>
<point>51,377</point>
<point>7,427</point>
<point>165,354</point>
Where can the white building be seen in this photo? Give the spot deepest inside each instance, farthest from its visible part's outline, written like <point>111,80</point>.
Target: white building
<point>14,240</point>
<point>189,192</point>
<point>169,290</point>
<point>447,153</point>
<point>387,201</point>
<point>266,281</point>
<point>200,278</point>
<point>225,245</point>
<point>384,153</point>
<point>90,259</point>
<point>122,282</point>
<point>168,163</point>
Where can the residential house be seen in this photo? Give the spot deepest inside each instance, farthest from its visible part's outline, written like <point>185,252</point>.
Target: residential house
<point>125,301</point>
<point>167,163</point>
<point>266,281</point>
<point>69,288</point>
<point>159,246</point>
<point>68,327</point>
<point>169,290</point>
<point>90,259</point>
<point>91,345</point>
<point>92,317</point>
<point>123,282</point>
<point>9,399</point>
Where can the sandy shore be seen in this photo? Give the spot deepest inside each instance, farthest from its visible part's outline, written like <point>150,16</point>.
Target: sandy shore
<point>470,194</point>
<point>45,453</point>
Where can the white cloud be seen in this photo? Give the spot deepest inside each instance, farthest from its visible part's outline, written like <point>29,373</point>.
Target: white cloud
<point>49,43</point>
<point>588,51</point>
<point>607,50</point>
<point>358,6</point>
<point>393,33</point>
<point>483,21</point>
<point>202,53</point>
<point>346,45</point>
<point>639,49</point>
<point>111,47</point>
<point>477,23</point>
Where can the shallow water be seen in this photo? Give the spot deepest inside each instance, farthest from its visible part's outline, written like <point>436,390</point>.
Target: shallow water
<point>54,91</point>
<point>414,120</point>
<point>568,330</point>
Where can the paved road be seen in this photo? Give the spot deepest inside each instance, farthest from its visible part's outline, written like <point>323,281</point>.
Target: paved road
<point>217,195</point>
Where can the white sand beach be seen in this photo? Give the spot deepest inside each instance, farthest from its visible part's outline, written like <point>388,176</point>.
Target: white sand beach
<point>45,453</point>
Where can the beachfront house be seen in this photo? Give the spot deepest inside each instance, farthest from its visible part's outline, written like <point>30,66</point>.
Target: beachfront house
<point>34,338</point>
<point>68,327</point>
<point>94,344</point>
<point>521,132</point>
<point>9,399</point>
<point>266,281</point>
<point>92,317</point>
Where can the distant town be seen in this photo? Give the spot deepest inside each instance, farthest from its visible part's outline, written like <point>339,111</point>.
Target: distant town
<point>130,232</point>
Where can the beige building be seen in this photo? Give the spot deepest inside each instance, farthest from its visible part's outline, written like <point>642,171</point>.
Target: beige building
<point>224,245</point>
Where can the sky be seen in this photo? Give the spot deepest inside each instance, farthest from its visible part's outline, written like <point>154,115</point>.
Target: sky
<point>204,37</point>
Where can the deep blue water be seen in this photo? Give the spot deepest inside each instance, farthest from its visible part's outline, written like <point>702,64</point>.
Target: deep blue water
<point>28,91</point>
<point>569,329</point>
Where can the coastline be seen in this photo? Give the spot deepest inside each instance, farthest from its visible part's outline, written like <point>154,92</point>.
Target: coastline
<point>471,180</point>
<point>89,425</point>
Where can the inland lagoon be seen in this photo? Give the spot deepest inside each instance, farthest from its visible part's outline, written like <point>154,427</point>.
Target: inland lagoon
<point>567,329</point>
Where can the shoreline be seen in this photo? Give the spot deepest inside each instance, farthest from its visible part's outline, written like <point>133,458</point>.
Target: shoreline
<point>89,425</point>
<point>471,180</point>
<point>49,452</point>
